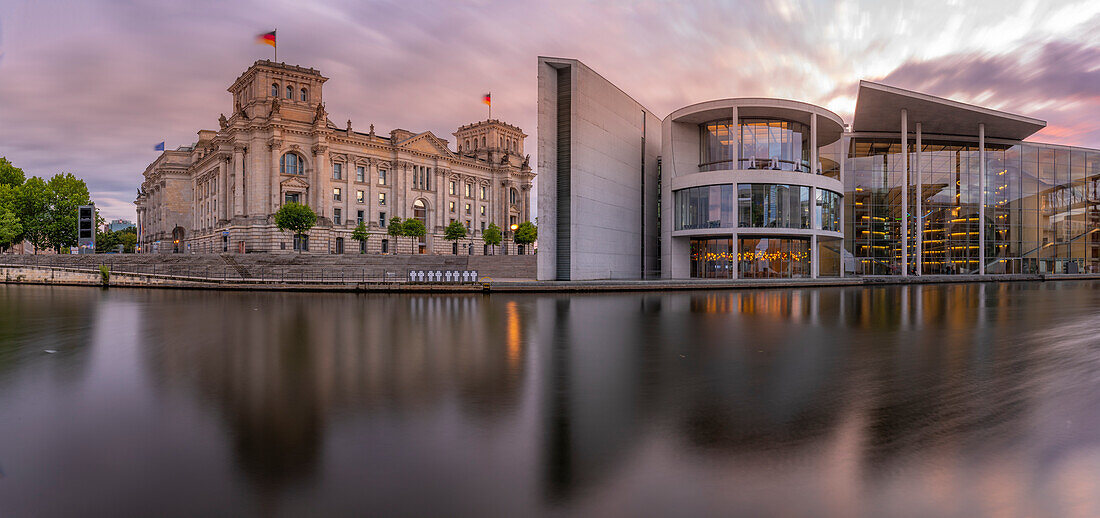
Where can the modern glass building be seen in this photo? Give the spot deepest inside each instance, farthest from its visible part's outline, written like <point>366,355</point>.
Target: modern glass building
<point>933,186</point>
<point>771,188</point>
<point>754,189</point>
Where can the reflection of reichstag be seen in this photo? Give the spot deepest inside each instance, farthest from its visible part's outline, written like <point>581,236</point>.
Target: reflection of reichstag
<point>759,188</point>
<point>281,375</point>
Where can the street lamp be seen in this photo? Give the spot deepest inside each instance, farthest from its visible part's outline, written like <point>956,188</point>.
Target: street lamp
<point>514,227</point>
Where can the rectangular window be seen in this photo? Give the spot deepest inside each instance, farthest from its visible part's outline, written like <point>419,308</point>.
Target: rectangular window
<point>385,246</point>
<point>359,197</point>
<point>483,192</point>
<point>337,171</point>
<point>336,213</point>
<point>483,226</point>
<point>451,206</point>
<point>451,187</point>
<point>382,198</point>
<point>360,174</point>
<point>381,177</point>
<point>482,210</point>
<point>467,225</point>
<point>381,219</point>
<point>468,190</point>
<point>336,194</point>
<point>467,208</point>
<point>359,217</point>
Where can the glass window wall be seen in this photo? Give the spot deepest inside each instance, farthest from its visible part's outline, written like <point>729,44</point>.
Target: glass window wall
<point>766,257</point>
<point>828,210</point>
<point>1041,208</point>
<point>763,205</point>
<point>708,206</point>
<point>712,258</point>
<point>755,144</point>
<point>829,254</point>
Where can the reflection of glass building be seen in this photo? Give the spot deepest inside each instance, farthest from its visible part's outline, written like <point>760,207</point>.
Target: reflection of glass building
<point>788,190</point>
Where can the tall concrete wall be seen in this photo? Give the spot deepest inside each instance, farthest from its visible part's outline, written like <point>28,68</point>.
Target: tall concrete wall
<point>613,146</point>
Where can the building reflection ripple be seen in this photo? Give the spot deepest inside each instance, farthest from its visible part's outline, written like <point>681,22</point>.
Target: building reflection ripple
<point>946,400</point>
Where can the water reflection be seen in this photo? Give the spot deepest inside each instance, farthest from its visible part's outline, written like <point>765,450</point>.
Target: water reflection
<point>959,399</point>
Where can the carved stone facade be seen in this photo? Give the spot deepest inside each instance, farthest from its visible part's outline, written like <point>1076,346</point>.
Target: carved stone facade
<point>221,193</point>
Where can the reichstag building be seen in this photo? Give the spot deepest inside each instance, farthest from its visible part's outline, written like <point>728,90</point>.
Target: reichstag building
<point>278,145</point>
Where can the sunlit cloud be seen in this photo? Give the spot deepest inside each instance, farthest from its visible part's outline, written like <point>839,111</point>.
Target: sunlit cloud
<point>89,87</point>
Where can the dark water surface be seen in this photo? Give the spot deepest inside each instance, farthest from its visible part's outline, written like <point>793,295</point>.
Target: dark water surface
<point>939,400</point>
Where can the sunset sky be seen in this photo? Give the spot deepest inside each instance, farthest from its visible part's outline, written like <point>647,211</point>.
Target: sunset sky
<point>89,87</point>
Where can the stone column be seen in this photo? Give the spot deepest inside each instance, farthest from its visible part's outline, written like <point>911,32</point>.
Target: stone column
<point>981,199</point>
<point>321,185</point>
<point>257,182</point>
<point>238,180</point>
<point>904,193</point>
<point>274,175</point>
<point>527,204</point>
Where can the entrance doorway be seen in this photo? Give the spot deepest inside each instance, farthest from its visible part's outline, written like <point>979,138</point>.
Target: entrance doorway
<point>339,245</point>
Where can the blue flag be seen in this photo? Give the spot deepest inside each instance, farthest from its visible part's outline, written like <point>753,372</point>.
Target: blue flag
<point>159,147</point>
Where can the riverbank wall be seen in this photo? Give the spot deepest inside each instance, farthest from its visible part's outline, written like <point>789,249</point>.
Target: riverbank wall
<point>67,276</point>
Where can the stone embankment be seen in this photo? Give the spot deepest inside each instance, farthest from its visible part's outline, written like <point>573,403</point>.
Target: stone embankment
<point>387,273</point>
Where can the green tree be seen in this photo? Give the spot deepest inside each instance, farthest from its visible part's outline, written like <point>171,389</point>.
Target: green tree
<point>10,228</point>
<point>296,218</point>
<point>9,174</point>
<point>127,237</point>
<point>32,201</point>
<point>454,232</point>
<point>492,236</point>
<point>526,233</point>
<point>361,235</point>
<point>396,229</point>
<point>65,194</point>
<point>414,229</point>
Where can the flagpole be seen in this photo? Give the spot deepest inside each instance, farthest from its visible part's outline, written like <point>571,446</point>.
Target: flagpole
<point>490,105</point>
<point>276,45</point>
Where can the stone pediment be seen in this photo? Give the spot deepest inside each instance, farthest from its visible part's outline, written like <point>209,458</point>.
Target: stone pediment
<point>426,143</point>
<point>294,183</point>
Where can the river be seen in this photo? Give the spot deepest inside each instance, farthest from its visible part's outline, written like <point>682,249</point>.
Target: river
<point>927,400</point>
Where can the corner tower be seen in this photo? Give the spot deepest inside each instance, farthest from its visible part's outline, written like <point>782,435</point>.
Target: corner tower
<point>297,89</point>
<point>489,140</point>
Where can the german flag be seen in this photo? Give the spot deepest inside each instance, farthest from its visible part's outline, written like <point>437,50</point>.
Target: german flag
<point>267,38</point>
<point>488,99</point>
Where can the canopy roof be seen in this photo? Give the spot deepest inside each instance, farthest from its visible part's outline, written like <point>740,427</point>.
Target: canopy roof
<point>878,109</point>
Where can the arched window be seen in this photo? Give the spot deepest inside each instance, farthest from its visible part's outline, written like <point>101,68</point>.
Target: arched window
<point>274,89</point>
<point>290,92</point>
<point>501,141</point>
<point>512,195</point>
<point>482,141</point>
<point>304,95</point>
<point>475,142</point>
<point>291,163</point>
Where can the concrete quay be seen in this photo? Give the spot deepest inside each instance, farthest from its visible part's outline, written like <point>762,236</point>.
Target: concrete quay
<point>69,276</point>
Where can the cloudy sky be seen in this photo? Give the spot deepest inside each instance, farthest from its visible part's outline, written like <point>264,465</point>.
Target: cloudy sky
<point>89,87</point>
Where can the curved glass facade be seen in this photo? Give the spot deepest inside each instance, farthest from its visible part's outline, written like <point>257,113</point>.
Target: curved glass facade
<point>766,205</point>
<point>712,258</point>
<point>754,144</point>
<point>708,206</point>
<point>770,257</point>
<point>828,210</point>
